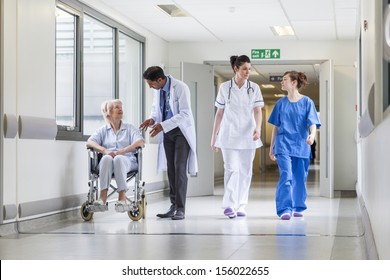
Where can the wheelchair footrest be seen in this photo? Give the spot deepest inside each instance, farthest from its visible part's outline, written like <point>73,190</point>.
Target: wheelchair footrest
<point>97,208</point>
<point>121,208</point>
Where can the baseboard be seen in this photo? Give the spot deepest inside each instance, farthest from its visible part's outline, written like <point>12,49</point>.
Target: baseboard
<point>372,253</point>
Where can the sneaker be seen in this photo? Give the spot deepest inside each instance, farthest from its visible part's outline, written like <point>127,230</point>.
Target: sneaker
<point>98,202</point>
<point>298,214</point>
<point>285,216</point>
<point>241,212</point>
<point>229,212</point>
<point>121,202</point>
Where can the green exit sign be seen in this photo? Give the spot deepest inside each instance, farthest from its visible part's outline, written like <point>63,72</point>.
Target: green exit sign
<point>265,53</point>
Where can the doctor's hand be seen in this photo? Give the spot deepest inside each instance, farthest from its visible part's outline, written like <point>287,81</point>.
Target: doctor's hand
<point>149,122</point>
<point>156,130</point>
<point>310,139</point>
<point>213,148</point>
<point>272,156</point>
<point>256,135</point>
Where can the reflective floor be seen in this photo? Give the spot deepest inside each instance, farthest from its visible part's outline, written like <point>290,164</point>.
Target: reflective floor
<point>330,229</point>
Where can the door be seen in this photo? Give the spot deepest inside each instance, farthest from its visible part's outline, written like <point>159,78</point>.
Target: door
<point>1,112</point>
<point>200,79</point>
<point>327,128</point>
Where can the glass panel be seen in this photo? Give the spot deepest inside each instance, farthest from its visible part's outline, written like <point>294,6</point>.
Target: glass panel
<point>130,79</point>
<point>65,68</point>
<point>98,71</point>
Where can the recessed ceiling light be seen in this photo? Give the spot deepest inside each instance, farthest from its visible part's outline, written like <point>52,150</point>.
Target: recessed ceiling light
<point>267,86</point>
<point>282,30</point>
<point>172,10</point>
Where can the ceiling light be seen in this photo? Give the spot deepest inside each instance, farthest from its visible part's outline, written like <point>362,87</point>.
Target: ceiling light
<point>279,95</point>
<point>172,10</point>
<point>267,86</point>
<point>282,30</point>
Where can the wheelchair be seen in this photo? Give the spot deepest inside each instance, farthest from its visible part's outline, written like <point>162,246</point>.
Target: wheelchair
<point>136,208</point>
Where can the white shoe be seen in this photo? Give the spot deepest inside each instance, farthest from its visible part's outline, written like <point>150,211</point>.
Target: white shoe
<point>98,202</point>
<point>121,202</point>
<point>241,212</point>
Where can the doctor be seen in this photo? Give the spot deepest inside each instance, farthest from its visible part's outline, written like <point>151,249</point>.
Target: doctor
<point>237,131</point>
<point>295,122</point>
<point>171,114</point>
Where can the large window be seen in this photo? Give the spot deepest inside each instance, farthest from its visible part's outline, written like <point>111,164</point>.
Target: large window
<point>96,59</point>
<point>98,71</point>
<point>66,68</point>
<point>129,77</point>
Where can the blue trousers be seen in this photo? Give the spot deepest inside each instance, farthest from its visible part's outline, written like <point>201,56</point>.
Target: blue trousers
<point>291,190</point>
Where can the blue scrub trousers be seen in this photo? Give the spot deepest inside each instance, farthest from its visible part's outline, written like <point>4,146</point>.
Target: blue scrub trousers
<point>291,190</point>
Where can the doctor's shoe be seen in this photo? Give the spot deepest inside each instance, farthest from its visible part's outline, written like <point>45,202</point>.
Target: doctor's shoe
<point>229,212</point>
<point>285,216</point>
<point>298,214</point>
<point>169,214</point>
<point>241,212</point>
<point>179,215</point>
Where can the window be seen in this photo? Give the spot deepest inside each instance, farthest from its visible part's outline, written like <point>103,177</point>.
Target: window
<point>96,59</point>
<point>98,71</point>
<point>66,68</point>
<point>130,78</point>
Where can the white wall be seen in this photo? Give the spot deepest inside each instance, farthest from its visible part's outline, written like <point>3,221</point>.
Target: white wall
<point>374,150</point>
<point>343,54</point>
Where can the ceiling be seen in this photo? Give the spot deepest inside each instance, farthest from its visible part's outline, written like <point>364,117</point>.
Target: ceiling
<point>248,20</point>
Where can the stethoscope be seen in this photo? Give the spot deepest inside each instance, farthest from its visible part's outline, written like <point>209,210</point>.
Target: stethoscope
<point>249,88</point>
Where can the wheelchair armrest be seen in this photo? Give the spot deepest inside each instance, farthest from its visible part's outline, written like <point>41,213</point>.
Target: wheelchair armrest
<point>94,159</point>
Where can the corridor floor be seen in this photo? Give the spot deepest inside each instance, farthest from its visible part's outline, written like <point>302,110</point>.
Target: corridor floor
<point>330,229</point>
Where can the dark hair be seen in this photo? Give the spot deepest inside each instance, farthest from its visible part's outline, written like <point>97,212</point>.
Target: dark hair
<point>237,61</point>
<point>153,73</point>
<point>300,77</point>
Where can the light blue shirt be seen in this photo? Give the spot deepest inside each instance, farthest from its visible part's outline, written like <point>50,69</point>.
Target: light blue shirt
<point>127,135</point>
<point>168,112</point>
<point>293,120</point>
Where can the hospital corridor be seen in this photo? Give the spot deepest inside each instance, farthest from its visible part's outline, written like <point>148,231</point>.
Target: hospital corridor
<point>131,132</point>
<point>331,229</point>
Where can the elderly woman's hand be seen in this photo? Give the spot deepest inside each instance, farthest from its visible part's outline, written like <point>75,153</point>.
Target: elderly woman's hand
<point>110,153</point>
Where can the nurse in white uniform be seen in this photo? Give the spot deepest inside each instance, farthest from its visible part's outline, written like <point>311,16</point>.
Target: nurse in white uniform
<point>237,131</point>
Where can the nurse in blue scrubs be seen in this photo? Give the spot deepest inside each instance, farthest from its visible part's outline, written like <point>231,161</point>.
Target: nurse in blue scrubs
<point>295,123</point>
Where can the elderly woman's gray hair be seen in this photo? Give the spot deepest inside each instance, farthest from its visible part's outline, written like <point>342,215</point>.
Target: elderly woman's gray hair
<point>108,106</point>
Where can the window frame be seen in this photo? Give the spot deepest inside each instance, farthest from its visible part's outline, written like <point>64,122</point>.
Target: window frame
<point>79,9</point>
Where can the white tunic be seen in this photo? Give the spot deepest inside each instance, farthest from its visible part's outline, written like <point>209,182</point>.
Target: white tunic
<point>238,122</point>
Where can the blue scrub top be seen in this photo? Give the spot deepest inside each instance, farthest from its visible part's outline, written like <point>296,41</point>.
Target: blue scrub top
<point>293,120</point>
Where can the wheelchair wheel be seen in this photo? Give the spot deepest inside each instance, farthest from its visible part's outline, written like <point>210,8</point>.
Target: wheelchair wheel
<point>85,214</point>
<point>138,213</point>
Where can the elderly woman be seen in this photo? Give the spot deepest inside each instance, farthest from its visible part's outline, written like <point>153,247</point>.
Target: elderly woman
<point>117,142</point>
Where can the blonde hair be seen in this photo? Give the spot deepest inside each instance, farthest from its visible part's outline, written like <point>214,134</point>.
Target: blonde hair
<point>107,107</point>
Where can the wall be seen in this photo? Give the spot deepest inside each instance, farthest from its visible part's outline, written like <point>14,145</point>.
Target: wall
<point>343,54</point>
<point>37,172</point>
<point>374,150</point>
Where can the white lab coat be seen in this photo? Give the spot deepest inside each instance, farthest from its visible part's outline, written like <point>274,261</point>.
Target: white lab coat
<point>180,104</point>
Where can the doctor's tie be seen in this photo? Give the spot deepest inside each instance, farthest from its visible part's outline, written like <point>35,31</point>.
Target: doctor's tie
<point>164,104</point>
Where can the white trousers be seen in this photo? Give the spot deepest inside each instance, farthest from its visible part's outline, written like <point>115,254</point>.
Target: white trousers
<point>118,166</point>
<point>237,177</point>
